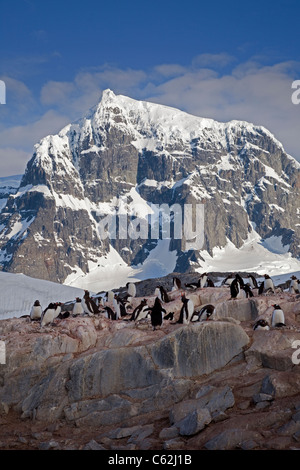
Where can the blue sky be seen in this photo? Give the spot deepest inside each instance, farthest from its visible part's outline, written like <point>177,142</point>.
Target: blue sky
<point>224,60</point>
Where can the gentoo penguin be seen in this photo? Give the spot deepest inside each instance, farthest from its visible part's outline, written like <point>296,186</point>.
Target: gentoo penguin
<point>57,308</point>
<point>49,315</point>
<point>193,285</point>
<point>268,284</point>
<point>119,307</point>
<point>77,309</point>
<point>277,318</point>
<point>140,311</point>
<point>110,314</point>
<point>236,288</point>
<point>131,289</point>
<point>161,293</point>
<point>176,284</point>
<point>204,313</point>
<point>209,283</point>
<point>36,311</point>
<point>88,304</point>
<point>110,296</point>
<point>261,325</point>
<point>248,291</point>
<point>186,311</point>
<point>252,281</point>
<point>156,313</point>
<point>228,280</point>
<point>294,285</point>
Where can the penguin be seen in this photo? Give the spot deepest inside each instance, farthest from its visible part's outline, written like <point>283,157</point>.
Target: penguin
<point>203,280</point>
<point>228,280</point>
<point>110,296</point>
<point>294,285</point>
<point>204,313</point>
<point>261,325</point>
<point>140,311</point>
<point>58,308</point>
<point>186,311</point>
<point>77,309</point>
<point>268,284</point>
<point>277,319</point>
<point>261,288</point>
<point>131,289</point>
<point>248,291</point>
<point>176,284</point>
<point>36,311</point>
<point>89,305</point>
<point>156,313</point>
<point>49,315</point>
<point>193,285</point>
<point>236,288</point>
<point>252,281</point>
<point>119,307</point>
<point>210,283</point>
<point>110,314</point>
<point>161,293</point>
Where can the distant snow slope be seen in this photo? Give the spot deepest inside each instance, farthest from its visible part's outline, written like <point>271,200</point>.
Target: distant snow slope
<point>18,293</point>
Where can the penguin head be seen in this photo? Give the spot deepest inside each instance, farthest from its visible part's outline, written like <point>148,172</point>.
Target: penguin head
<point>36,303</point>
<point>276,307</point>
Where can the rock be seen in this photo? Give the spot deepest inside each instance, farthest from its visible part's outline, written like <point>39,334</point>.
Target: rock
<point>194,422</point>
<point>232,439</point>
<point>173,444</point>
<point>169,433</point>
<point>93,445</point>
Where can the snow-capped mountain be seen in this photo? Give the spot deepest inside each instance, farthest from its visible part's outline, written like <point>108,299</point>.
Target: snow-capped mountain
<point>125,157</point>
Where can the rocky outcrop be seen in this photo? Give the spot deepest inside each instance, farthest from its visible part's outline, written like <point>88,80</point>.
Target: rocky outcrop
<point>217,384</point>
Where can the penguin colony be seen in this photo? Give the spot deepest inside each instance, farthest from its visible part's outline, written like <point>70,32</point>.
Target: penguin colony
<point>115,307</point>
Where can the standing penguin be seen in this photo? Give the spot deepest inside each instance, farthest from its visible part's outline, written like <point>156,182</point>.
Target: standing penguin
<point>77,309</point>
<point>252,281</point>
<point>268,284</point>
<point>176,284</point>
<point>36,311</point>
<point>89,305</point>
<point>294,285</point>
<point>277,319</point>
<point>162,294</point>
<point>186,311</point>
<point>131,289</point>
<point>119,307</point>
<point>156,313</point>
<point>236,288</point>
<point>49,315</point>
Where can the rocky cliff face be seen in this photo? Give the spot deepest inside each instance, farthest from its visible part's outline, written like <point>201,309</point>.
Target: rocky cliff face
<point>125,156</point>
<point>90,382</point>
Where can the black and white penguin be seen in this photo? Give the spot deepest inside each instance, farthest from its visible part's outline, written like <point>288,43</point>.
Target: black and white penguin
<point>193,285</point>
<point>176,284</point>
<point>261,325</point>
<point>204,313</point>
<point>248,291</point>
<point>36,311</point>
<point>110,314</point>
<point>119,307</point>
<point>77,309</point>
<point>156,313</point>
<point>210,283</point>
<point>58,308</point>
<point>294,285</point>
<point>131,289</point>
<point>236,288</point>
<point>140,312</point>
<point>268,284</point>
<point>110,296</point>
<point>186,311</point>
<point>48,315</point>
<point>228,280</point>
<point>162,294</point>
<point>88,304</point>
<point>277,319</point>
<point>252,281</point>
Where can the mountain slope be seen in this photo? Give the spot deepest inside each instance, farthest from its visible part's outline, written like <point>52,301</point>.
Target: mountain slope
<point>125,156</point>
